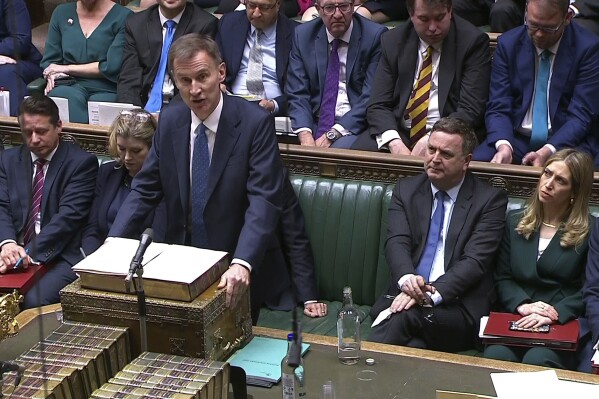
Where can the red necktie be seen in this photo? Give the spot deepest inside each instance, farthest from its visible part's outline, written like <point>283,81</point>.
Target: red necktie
<point>36,200</point>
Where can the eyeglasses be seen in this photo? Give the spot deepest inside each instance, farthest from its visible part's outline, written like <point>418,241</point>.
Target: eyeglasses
<point>139,116</point>
<point>330,9</point>
<point>261,7</point>
<point>534,28</point>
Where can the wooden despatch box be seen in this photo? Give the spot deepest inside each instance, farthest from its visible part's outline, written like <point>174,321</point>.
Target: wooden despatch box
<point>203,328</point>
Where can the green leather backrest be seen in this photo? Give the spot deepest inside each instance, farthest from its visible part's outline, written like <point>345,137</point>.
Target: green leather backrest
<point>343,222</point>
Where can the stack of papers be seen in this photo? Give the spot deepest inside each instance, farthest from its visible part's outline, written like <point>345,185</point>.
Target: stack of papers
<point>540,384</point>
<point>261,360</point>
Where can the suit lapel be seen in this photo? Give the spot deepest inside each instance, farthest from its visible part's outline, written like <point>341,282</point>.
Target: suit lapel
<point>459,214</point>
<point>154,34</point>
<point>180,143</point>
<point>561,69</point>
<point>242,32</point>
<point>424,209</point>
<point>54,167</point>
<point>226,137</point>
<point>526,58</point>
<point>321,44</point>
<point>352,51</point>
<point>24,173</point>
<point>406,66</point>
<point>446,69</point>
<point>182,26</point>
<point>282,49</point>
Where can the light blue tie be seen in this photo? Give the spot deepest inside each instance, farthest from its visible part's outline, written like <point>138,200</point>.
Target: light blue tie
<point>434,236</point>
<point>155,99</point>
<point>540,128</point>
<point>199,186</point>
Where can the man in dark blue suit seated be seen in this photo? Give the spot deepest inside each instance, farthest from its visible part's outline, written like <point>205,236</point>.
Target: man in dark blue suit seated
<point>327,99</point>
<point>544,80</point>
<point>46,190</point>
<point>263,76</point>
<point>589,325</point>
<point>216,165</point>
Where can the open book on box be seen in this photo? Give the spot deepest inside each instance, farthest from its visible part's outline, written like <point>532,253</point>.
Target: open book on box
<point>169,271</point>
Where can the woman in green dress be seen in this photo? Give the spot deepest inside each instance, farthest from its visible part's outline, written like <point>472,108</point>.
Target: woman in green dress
<point>83,53</point>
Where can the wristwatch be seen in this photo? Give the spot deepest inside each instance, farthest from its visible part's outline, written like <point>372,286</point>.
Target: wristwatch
<point>333,135</point>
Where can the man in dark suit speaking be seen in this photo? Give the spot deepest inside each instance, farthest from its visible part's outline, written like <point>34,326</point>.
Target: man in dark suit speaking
<point>146,44</point>
<point>46,191</point>
<point>216,163</point>
<point>444,229</point>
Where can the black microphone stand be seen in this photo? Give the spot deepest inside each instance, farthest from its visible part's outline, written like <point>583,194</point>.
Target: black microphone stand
<point>141,302</point>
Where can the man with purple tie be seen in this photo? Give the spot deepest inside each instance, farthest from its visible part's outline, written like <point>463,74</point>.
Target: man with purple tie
<point>331,67</point>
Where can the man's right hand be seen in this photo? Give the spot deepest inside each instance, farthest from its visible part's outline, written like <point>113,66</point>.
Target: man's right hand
<point>416,288</point>
<point>10,255</point>
<point>306,138</point>
<point>396,146</point>
<point>503,154</point>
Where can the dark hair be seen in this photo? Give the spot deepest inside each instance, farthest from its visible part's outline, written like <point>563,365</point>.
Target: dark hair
<point>39,104</point>
<point>563,5</point>
<point>457,126</point>
<point>430,3</point>
<point>188,46</point>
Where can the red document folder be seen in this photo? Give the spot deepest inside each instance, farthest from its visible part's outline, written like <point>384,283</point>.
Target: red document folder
<point>21,280</point>
<point>560,336</point>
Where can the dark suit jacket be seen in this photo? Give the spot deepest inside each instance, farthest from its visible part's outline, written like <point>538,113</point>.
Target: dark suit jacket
<point>308,66</point>
<point>143,47</point>
<point>233,30</point>
<point>587,8</point>
<point>555,278</point>
<point>463,75</point>
<point>15,32</point>
<point>67,197</point>
<point>110,180</point>
<point>590,292</point>
<point>244,194</point>
<point>474,234</point>
<point>572,94</point>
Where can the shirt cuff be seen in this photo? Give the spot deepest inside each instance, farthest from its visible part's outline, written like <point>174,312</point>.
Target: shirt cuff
<point>6,242</point>
<point>341,129</point>
<point>574,9</point>
<point>309,302</point>
<point>276,106</point>
<point>384,138</point>
<point>436,298</point>
<point>501,142</point>
<point>403,279</point>
<point>242,263</point>
<point>551,148</point>
<point>301,129</point>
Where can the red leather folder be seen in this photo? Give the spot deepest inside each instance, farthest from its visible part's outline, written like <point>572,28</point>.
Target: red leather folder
<point>560,336</point>
<point>21,280</point>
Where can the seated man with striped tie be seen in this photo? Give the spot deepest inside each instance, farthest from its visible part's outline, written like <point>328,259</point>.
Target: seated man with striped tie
<point>331,69</point>
<point>144,79</point>
<point>436,65</point>
<point>255,45</point>
<point>445,226</point>
<point>46,191</point>
<point>544,83</point>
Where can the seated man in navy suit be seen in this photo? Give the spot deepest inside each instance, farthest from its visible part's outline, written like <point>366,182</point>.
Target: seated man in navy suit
<point>46,190</point>
<point>327,99</point>
<point>263,76</point>
<point>544,79</point>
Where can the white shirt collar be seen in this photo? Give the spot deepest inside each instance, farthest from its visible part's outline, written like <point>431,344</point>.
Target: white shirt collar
<point>211,122</point>
<point>452,192</point>
<point>48,158</point>
<point>268,32</point>
<point>163,19</point>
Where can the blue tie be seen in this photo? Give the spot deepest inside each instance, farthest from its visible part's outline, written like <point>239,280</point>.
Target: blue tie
<point>540,129</point>
<point>155,99</point>
<point>434,236</point>
<point>199,186</point>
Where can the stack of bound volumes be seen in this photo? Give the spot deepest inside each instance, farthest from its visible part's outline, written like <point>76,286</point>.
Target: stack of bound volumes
<point>154,375</point>
<point>71,363</point>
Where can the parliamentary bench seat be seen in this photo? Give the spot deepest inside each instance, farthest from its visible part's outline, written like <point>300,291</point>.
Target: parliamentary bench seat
<point>344,195</point>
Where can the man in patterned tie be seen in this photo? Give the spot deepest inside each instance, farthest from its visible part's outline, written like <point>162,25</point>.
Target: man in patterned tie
<point>331,69</point>
<point>445,226</point>
<point>268,57</point>
<point>436,65</point>
<point>543,85</point>
<point>46,190</point>
<point>216,163</point>
<point>144,78</point>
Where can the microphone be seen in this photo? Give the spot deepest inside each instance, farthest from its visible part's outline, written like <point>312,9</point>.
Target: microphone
<point>9,366</point>
<point>144,242</point>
